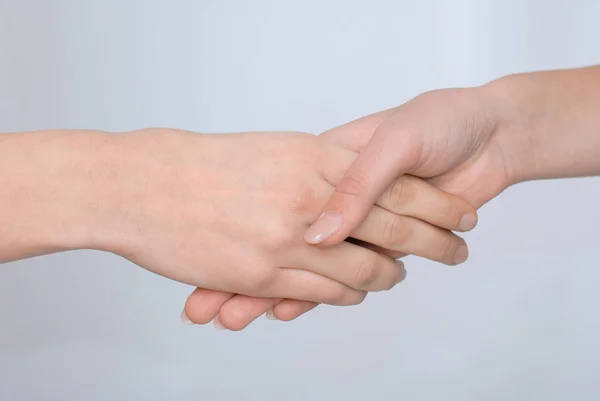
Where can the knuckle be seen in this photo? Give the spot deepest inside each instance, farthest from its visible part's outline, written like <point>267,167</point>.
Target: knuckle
<point>279,237</point>
<point>396,234</point>
<point>445,249</point>
<point>367,273</point>
<point>286,237</point>
<point>354,184</point>
<point>401,193</point>
<point>302,199</point>
<point>449,211</point>
<point>395,195</point>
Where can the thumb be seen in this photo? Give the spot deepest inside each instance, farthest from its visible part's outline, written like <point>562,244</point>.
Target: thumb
<point>356,134</point>
<point>392,151</point>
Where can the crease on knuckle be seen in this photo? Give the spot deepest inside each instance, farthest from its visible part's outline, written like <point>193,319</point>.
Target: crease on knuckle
<point>396,234</point>
<point>367,274</point>
<point>449,212</point>
<point>446,248</point>
<point>354,184</point>
<point>396,196</point>
<point>302,199</point>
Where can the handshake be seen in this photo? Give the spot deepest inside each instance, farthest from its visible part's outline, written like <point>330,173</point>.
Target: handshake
<point>277,223</point>
<point>229,214</point>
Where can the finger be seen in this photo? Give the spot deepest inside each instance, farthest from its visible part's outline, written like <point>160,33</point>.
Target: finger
<point>356,135</point>
<point>238,312</point>
<point>411,196</point>
<point>309,286</point>
<point>203,305</point>
<point>375,248</point>
<point>392,151</point>
<point>412,236</point>
<point>290,309</point>
<point>476,195</point>
<point>351,265</point>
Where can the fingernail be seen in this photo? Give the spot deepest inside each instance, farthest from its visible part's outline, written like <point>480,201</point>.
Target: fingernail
<point>271,315</point>
<point>467,222</point>
<point>327,225</point>
<point>185,319</point>
<point>461,255</point>
<point>217,323</point>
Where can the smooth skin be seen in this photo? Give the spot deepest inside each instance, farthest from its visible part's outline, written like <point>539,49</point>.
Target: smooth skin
<point>473,142</point>
<point>424,219</point>
<point>470,142</point>
<point>220,212</point>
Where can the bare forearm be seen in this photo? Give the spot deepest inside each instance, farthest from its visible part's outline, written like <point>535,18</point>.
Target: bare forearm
<point>50,194</point>
<point>549,123</point>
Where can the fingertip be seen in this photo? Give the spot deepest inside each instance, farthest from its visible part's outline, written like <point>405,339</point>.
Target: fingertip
<point>467,222</point>
<point>240,311</point>
<point>402,271</point>
<point>217,323</point>
<point>289,309</point>
<point>203,305</point>
<point>461,255</point>
<point>185,319</point>
<point>227,323</point>
<point>270,315</point>
<point>234,317</point>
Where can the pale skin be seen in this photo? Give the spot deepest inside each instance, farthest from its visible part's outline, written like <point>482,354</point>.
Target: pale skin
<point>221,212</point>
<point>470,142</point>
<point>423,219</point>
<point>70,190</point>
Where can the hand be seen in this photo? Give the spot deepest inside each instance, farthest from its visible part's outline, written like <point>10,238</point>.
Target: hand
<point>420,209</point>
<point>227,213</point>
<point>448,137</point>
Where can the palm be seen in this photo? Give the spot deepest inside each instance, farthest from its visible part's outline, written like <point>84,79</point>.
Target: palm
<point>477,180</point>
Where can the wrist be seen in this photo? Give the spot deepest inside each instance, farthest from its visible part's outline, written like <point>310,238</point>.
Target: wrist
<point>546,123</point>
<point>510,131</point>
<point>148,174</point>
<point>51,195</point>
<point>85,165</point>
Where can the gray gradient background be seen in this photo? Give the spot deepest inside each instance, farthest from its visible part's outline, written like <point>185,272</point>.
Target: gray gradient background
<point>519,321</point>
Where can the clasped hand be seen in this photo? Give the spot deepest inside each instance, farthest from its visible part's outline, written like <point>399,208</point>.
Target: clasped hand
<point>227,214</point>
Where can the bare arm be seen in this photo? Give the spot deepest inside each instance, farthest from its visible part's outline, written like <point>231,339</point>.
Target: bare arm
<point>47,200</point>
<point>472,142</point>
<point>549,122</point>
<point>206,210</point>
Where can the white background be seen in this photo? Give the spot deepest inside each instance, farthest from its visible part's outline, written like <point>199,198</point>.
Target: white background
<point>519,321</point>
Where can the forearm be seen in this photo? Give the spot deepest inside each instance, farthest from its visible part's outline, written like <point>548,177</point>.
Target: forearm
<point>50,191</point>
<point>549,123</point>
